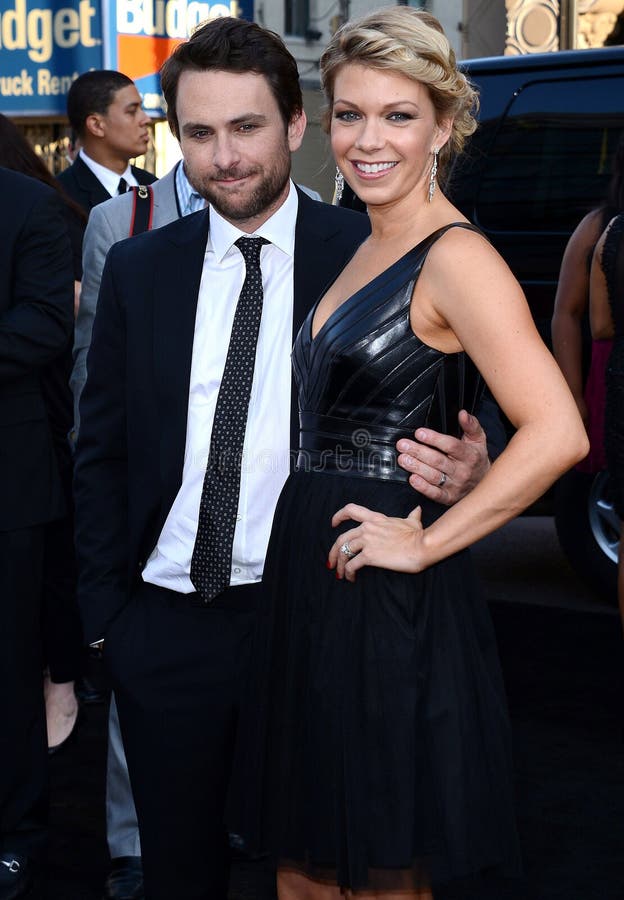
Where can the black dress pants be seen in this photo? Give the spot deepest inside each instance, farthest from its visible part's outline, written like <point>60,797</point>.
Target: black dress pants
<point>23,742</point>
<point>177,671</point>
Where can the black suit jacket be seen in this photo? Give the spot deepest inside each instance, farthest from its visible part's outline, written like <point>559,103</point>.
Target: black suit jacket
<point>36,321</point>
<point>133,409</point>
<point>86,189</point>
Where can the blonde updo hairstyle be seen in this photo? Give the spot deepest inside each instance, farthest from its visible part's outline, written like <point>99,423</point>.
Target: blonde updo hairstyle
<point>410,42</point>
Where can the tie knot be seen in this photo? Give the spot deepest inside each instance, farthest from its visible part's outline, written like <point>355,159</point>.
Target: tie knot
<point>122,187</point>
<point>250,248</point>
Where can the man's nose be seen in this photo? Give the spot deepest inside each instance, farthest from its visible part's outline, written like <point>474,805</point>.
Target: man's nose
<point>225,153</point>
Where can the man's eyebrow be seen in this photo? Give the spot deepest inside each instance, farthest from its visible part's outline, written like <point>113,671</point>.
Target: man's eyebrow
<point>248,117</point>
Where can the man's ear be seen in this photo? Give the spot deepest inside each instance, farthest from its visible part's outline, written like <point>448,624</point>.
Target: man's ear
<point>296,130</point>
<point>94,125</point>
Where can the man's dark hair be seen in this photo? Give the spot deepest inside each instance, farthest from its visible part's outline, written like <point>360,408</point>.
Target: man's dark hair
<point>233,45</point>
<point>93,92</point>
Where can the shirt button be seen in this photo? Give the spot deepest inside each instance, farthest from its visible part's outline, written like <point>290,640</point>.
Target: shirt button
<point>236,570</point>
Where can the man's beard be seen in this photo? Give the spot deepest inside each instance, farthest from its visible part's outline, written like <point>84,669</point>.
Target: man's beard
<point>245,203</point>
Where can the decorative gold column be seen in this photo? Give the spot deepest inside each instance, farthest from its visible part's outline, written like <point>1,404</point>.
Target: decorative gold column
<point>532,26</point>
<point>596,21</point>
<point>535,26</point>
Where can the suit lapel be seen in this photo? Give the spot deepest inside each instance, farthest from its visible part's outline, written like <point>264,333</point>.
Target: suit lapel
<point>89,184</point>
<point>142,175</point>
<point>175,303</point>
<point>165,200</point>
<point>311,264</point>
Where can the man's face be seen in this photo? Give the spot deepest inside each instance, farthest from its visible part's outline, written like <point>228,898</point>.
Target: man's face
<point>235,144</point>
<point>124,125</point>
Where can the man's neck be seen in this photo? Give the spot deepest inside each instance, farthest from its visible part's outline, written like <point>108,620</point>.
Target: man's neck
<point>102,155</point>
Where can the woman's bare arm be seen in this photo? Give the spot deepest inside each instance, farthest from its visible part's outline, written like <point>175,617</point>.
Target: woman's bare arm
<point>571,303</point>
<point>467,298</point>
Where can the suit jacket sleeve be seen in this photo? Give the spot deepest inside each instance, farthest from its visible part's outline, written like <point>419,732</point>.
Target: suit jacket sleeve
<point>38,322</point>
<point>99,237</point>
<point>101,470</point>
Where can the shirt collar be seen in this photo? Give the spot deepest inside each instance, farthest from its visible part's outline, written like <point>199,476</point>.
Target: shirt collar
<point>279,230</point>
<point>108,178</point>
<point>188,198</point>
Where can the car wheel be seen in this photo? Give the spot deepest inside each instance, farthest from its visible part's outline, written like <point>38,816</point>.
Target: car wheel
<point>589,530</point>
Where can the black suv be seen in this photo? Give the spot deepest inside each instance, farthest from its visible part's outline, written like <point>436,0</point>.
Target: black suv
<point>549,124</point>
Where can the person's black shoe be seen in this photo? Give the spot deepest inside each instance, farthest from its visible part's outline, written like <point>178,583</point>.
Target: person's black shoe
<point>16,877</point>
<point>125,879</point>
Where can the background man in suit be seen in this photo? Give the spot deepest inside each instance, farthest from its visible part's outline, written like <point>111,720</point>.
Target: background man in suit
<point>36,317</point>
<point>105,112</point>
<point>157,370</point>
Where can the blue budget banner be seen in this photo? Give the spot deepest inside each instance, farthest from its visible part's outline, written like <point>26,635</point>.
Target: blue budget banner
<point>46,44</point>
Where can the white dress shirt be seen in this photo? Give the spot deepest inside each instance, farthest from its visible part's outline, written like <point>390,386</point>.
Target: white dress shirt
<point>108,178</point>
<point>266,451</point>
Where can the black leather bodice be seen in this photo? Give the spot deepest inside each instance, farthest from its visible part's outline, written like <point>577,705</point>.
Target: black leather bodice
<point>366,379</point>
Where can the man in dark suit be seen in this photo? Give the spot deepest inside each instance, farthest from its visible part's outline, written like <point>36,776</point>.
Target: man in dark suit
<point>36,318</point>
<point>105,112</point>
<point>157,396</point>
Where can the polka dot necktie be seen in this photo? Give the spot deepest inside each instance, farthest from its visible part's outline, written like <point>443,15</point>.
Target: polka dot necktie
<point>212,555</point>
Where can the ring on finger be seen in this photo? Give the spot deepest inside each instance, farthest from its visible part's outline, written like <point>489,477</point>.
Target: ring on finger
<point>346,549</point>
<point>442,480</point>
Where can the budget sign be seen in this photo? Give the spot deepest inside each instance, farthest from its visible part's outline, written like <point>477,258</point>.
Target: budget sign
<point>44,46</point>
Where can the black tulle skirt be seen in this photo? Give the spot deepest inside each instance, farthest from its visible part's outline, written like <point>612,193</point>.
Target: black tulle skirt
<point>374,743</point>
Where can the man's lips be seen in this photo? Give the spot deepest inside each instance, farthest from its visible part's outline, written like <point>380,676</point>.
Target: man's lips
<point>232,177</point>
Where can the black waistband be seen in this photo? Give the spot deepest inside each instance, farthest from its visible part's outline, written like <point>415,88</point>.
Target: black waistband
<point>240,597</point>
<point>336,446</point>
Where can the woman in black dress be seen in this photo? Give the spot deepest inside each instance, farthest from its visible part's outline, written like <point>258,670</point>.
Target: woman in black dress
<point>374,751</point>
<point>606,302</point>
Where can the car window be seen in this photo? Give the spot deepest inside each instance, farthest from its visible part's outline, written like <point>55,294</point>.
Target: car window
<point>549,162</point>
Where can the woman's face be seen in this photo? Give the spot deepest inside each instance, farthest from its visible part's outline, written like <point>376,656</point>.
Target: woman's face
<point>383,133</point>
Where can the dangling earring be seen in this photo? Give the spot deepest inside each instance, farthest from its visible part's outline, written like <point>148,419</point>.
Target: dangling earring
<point>432,175</point>
<point>338,188</point>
